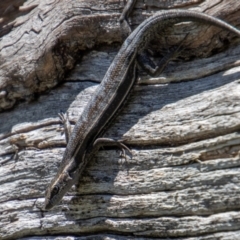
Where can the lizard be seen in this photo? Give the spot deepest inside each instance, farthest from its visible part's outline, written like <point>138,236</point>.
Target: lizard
<point>85,139</point>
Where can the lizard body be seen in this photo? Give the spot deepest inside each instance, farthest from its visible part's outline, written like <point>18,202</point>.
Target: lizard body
<point>110,95</point>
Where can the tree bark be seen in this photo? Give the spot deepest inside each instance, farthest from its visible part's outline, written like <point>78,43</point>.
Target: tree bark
<point>183,179</point>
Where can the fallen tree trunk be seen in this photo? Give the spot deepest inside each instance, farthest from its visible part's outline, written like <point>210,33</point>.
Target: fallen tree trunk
<point>182,181</point>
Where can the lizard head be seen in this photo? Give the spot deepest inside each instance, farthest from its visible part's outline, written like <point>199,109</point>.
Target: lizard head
<point>56,190</point>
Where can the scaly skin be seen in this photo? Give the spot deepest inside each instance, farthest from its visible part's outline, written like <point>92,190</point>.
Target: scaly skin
<point>110,95</point>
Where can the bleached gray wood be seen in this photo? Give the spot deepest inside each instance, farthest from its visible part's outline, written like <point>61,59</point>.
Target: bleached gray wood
<point>225,235</point>
<point>159,187</point>
<point>42,39</point>
<point>182,181</point>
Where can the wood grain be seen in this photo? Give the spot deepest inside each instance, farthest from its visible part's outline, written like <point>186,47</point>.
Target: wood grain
<point>182,180</point>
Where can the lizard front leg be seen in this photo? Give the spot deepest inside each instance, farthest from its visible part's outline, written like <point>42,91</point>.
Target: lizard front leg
<point>66,125</point>
<point>108,142</point>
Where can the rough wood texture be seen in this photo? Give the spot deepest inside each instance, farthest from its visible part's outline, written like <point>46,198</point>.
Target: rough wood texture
<point>46,37</point>
<point>183,180</point>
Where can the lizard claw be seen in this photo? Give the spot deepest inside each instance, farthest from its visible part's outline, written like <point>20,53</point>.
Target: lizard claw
<point>123,150</point>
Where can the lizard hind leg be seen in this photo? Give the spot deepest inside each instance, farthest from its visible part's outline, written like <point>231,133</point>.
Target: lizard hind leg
<point>155,69</point>
<point>124,19</point>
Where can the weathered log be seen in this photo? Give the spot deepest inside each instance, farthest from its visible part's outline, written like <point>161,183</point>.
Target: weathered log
<point>182,181</point>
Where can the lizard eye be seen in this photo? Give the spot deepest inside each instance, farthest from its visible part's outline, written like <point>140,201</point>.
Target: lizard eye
<point>55,189</point>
